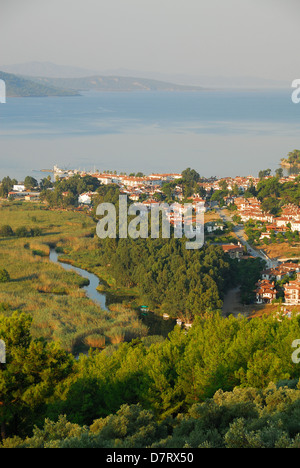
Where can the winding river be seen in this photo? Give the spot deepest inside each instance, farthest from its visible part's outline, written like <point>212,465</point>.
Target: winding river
<point>91,289</point>
<point>156,324</point>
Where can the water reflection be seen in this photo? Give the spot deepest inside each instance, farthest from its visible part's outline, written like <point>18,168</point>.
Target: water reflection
<point>91,289</point>
<point>156,324</point>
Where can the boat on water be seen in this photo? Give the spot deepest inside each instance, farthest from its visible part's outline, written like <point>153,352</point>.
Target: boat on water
<point>57,170</point>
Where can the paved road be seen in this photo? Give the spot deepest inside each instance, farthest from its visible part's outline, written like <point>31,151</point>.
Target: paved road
<point>240,233</point>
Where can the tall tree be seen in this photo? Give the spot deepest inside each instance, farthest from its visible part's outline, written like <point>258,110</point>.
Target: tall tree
<point>31,374</point>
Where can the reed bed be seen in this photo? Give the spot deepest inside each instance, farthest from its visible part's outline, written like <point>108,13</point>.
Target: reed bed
<point>95,341</point>
<point>53,296</point>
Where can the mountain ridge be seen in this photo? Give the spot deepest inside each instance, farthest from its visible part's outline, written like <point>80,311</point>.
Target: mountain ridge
<point>112,83</point>
<point>52,70</point>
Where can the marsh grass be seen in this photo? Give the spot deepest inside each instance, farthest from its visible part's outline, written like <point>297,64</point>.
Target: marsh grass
<point>53,296</point>
<point>127,325</point>
<point>95,341</point>
<point>38,248</point>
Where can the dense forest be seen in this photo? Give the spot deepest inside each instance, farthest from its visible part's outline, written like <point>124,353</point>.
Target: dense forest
<point>274,195</point>
<point>224,383</point>
<point>169,278</point>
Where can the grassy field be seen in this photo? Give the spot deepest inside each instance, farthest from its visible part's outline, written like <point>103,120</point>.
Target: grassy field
<point>283,250</point>
<point>212,216</point>
<point>60,309</point>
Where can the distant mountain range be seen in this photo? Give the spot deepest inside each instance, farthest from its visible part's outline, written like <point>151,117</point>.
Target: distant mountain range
<point>32,86</point>
<point>36,79</point>
<point>51,70</point>
<point>112,83</point>
<point>207,81</point>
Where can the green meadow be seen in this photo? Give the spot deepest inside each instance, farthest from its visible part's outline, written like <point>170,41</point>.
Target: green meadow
<point>54,297</point>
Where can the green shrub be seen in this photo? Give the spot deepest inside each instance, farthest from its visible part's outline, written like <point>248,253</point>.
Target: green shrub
<point>6,231</point>
<point>4,276</point>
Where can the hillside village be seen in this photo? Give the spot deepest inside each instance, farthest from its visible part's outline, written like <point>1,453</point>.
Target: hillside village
<point>149,191</point>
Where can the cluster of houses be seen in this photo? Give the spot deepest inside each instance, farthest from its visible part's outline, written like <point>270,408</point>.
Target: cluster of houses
<point>242,184</point>
<point>147,186</point>
<point>266,290</point>
<point>144,188</point>
<point>250,208</point>
<point>134,187</point>
<point>290,217</point>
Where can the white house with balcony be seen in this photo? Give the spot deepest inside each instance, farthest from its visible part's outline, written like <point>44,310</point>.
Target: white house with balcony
<point>86,198</point>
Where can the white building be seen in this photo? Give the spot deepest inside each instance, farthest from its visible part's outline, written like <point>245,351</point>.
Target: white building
<point>86,198</point>
<point>19,188</point>
<point>295,226</point>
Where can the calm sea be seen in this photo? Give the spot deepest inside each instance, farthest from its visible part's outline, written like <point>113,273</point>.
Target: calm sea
<point>222,133</point>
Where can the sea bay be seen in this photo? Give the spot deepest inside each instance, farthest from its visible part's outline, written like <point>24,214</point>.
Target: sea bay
<point>218,132</point>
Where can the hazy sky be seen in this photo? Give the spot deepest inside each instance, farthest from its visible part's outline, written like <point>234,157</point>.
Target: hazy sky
<point>197,37</point>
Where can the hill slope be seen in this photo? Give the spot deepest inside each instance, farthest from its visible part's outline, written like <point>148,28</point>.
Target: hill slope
<point>17,86</point>
<point>293,159</point>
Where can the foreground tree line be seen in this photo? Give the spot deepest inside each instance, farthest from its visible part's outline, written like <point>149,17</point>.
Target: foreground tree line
<point>225,383</point>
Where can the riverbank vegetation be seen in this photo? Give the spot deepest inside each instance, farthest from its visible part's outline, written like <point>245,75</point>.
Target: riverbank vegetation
<point>60,309</point>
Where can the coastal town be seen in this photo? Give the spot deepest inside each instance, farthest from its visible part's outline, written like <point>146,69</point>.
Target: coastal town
<point>231,213</point>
